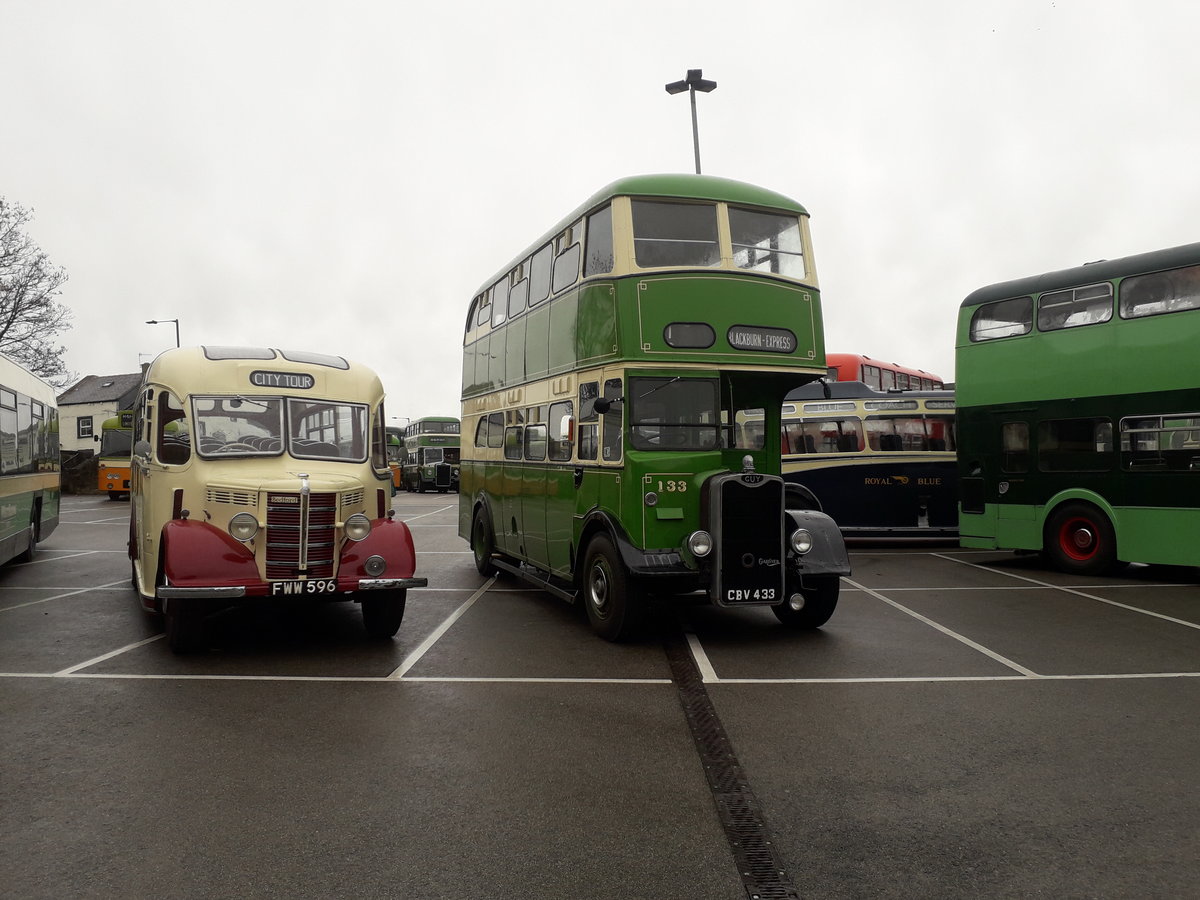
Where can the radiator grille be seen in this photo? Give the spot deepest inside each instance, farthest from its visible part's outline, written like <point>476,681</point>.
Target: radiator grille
<point>300,541</point>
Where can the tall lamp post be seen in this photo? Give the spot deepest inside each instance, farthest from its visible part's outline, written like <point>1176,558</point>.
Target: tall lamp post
<point>166,322</point>
<point>691,84</point>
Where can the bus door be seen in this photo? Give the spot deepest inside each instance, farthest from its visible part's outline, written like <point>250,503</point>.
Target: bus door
<point>598,441</point>
<point>560,486</point>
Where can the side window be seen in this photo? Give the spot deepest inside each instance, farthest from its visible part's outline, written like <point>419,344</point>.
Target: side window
<point>495,433</point>
<point>1014,443</point>
<point>562,424</point>
<point>1160,292</point>
<point>535,442</point>
<point>1075,445</point>
<point>589,440</point>
<point>518,291</point>
<point>1005,318</point>
<point>566,258</point>
<point>512,442</point>
<point>539,275</point>
<point>173,442</point>
<point>612,435</point>
<point>481,432</point>
<point>378,440</point>
<point>1089,305</point>
<point>599,258</point>
<point>499,301</point>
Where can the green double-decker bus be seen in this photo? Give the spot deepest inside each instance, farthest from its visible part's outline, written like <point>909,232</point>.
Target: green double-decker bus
<point>1078,397</point>
<point>30,480</point>
<point>431,455</point>
<point>609,374</point>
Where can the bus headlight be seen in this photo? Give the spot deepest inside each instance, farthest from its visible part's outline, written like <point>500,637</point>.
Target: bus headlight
<point>357,527</point>
<point>243,527</point>
<point>374,566</point>
<point>802,540</point>
<point>700,543</point>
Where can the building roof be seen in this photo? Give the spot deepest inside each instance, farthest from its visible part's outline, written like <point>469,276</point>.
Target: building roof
<point>102,389</point>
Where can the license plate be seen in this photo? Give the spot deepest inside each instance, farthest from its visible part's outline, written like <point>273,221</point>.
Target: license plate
<point>311,586</point>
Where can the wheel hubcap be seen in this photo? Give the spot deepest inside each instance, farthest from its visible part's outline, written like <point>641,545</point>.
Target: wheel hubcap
<point>599,588</point>
<point>1078,539</point>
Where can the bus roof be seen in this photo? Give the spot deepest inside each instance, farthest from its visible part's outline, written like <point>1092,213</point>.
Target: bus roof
<point>1088,273</point>
<point>679,185</point>
<point>856,390</point>
<point>212,369</point>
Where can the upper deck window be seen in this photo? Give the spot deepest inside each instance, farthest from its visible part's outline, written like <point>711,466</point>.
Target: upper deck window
<point>599,259</point>
<point>1160,292</point>
<point>1073,307</point>
<point>766,242</point>
<point>314,359</point>
<point>675,234</point>
<point>1004,318</point>
<point>239,353</point>
<point>539,274</point>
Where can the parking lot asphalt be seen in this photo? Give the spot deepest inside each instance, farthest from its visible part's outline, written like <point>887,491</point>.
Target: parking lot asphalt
<point>967,724</point>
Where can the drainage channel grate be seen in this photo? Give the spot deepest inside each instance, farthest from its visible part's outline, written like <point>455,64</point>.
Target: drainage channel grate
<point>737,808</point>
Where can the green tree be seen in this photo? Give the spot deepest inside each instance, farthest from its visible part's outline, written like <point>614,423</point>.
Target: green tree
<point>30,318</point>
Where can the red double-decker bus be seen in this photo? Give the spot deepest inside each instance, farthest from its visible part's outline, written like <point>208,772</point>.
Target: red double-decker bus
<point>883,376</point>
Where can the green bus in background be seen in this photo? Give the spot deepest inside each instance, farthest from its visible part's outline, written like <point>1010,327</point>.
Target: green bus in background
<point>30,479</point>
<point>608,373</point>
<point>431,455</point>
<point>1078,397</point>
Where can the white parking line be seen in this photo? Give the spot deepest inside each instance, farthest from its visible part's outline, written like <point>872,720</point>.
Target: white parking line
<point>413,658</point>
<point>946,631</point>
<point>61,596</point>
<point>1076,592</point>
<point>99,659</point>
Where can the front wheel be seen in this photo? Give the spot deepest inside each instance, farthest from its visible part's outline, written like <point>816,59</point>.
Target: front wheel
<point>184,628</point>
<point>1080,539</point>
<point>812,605</point>
<point>616,606</point>
<point>383,611</point>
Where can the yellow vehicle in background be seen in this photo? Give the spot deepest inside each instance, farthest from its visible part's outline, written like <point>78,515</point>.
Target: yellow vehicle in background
<point>261,473</point>
<point>116,446</point>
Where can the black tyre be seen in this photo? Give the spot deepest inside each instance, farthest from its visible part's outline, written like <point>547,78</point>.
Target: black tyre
<point>1080,539</point>
<point>483,543</point>
<point>615,603</point>
<point>34,535</point>
<point>816,602</point>
<point>184,628</point>
<point>383,611</point>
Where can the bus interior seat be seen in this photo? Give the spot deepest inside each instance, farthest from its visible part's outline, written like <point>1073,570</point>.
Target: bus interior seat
<point>937,443</point>
<point>848,443</point>
<point>320,448</point>
<point>890,442</point>
<point>810,445</point>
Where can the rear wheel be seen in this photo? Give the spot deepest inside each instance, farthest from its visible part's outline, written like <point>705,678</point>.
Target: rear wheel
<point>812,605</point>
<point>33,533</point>
<point>615,603</point>
<point>483,543</point>
<point>383,611</point>
<point>1080,539</point>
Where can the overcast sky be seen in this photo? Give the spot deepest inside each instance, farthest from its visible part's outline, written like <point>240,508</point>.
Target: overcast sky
<point>342,176</point>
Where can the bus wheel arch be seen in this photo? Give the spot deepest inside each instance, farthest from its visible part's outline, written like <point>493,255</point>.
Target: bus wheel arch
<point>797,496</point>
<point>1079,537</point>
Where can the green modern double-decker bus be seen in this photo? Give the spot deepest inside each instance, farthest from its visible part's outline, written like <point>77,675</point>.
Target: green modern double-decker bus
<point>431,455</point>
<point>1078,398</point>
<point>30,481</point>
<point>608,373</point>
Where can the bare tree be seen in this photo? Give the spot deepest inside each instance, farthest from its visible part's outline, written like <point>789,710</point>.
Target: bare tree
<point>30,318</point>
